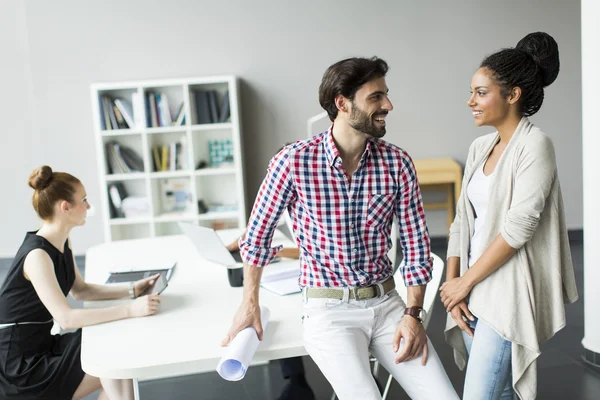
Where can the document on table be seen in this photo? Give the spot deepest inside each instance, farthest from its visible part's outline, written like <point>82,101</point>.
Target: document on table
<point>282,278</point>
<point>238,355</point>
<point>283,286</point>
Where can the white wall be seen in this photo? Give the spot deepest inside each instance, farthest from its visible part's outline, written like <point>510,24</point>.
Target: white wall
<point>590,32</point>
<point>280,50</point>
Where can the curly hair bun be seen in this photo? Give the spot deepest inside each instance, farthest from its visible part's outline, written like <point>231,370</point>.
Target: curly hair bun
<point>40,178</point>
<point>544,51</point>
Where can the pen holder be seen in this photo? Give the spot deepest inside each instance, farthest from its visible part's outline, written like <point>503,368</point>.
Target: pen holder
<point>235,276</point>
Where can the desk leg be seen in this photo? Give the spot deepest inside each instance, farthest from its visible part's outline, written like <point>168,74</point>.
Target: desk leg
<point>136,389</point>
<point>450,206</point>
<point>267,377</point>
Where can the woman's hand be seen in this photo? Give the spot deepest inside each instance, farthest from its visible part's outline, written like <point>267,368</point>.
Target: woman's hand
<point>458,313</point>
<point>145,305</point>
<point>453,291</point>
<point>140,286</point>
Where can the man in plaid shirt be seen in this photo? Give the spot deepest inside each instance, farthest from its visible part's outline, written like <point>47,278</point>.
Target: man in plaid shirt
<point>343,189</point>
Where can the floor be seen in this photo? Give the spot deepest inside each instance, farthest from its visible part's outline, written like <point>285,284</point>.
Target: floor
<point>561,373</point>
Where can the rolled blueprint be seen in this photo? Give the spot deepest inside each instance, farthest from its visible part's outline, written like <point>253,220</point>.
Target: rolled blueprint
<point>238,355</point>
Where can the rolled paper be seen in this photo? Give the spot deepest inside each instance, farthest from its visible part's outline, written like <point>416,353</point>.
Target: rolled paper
<point>238,355</point>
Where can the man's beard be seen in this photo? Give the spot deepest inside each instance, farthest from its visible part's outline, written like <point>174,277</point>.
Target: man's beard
<point>361,121</point>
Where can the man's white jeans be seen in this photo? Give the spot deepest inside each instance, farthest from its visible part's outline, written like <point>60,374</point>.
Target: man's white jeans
<point>340,335</point>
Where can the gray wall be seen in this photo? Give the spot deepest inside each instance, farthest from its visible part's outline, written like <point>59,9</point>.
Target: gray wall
<point>52,51</point>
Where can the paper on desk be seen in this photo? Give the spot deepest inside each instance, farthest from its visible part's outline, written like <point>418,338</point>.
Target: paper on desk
<point>281,270</point>
<point>282,286</point>
<point>238,355</point>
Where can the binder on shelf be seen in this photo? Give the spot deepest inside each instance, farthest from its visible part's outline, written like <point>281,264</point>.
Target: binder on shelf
<point>121,124</point>
<point>117,194</point>
<point>122,159</point>
<point>151,107</point>
<point>163,110</point>
<point>156,156</point>
<point>126,111</point>
<point>202,110</point>
<point>212,106</point>
<point>225,110</point>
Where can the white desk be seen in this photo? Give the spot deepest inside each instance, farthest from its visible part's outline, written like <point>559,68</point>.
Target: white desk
<point>196,312</point>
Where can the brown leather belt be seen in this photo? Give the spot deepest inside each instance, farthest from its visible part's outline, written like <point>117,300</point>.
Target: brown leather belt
<point>355,293</point>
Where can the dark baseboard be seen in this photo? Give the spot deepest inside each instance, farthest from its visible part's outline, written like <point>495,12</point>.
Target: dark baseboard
<point>591,359</point>
<point>576,235</point>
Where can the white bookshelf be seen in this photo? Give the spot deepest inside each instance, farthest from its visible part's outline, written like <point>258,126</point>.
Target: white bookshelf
<point>219,186</point>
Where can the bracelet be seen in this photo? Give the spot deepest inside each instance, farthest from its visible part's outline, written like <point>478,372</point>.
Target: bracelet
<point>131,290</point>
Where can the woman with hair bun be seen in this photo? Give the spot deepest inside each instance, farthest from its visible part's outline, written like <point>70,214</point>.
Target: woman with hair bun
<point>509,267</point>
<point>34,364</point>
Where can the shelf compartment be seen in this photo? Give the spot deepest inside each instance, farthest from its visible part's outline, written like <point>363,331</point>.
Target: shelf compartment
<point>172,196</point>
<point>164,107</point>
<point>163,146</point>
<point>123,154</point>
<point>210,103</point>
<point>119,110</point>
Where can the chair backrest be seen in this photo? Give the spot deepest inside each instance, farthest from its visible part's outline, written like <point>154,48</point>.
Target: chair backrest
<point>432,287</point>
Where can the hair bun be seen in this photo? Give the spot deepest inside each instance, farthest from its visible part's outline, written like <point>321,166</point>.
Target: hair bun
<point>41,177</point>
<point>544,51</point>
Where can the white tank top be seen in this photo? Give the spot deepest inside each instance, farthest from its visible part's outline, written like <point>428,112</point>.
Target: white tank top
<point>479,196</point>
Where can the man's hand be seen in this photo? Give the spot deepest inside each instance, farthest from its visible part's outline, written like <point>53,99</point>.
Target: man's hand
<point>248,314</point>
<point>415,340</point>
<point>457,315</point>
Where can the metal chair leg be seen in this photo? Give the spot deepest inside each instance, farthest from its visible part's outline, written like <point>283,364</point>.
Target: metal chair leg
<point>387,387</point>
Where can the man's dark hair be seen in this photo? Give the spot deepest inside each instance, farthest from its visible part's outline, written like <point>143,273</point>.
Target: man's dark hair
<point>531,65</point>
<point>346,77</point>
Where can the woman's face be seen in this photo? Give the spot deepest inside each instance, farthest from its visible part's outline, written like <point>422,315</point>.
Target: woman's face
<point>489,106</point>
<point>79,207</point>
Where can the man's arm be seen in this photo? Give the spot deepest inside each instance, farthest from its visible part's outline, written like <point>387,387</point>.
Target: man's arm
<point>274,195</point>
<point>417,266</point>
<point>248,314</point>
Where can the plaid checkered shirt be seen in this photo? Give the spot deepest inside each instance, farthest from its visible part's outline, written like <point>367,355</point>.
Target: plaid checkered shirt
<point>343,230</point>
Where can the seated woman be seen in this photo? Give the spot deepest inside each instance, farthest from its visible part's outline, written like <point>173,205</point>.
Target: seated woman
<point>34,364</point>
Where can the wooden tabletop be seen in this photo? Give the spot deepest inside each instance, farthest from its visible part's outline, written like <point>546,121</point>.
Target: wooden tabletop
<point>438,170</point>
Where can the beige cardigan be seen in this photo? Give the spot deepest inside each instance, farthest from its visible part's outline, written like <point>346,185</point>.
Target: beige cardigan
<point>524,299</point>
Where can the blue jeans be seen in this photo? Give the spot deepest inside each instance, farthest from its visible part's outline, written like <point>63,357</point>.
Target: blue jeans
<point>489,372</point>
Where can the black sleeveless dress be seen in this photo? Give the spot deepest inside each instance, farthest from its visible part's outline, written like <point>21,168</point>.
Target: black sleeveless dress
<point>33,363</point>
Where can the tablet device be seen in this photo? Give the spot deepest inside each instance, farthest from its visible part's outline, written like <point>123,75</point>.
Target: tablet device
<point>157,287</point>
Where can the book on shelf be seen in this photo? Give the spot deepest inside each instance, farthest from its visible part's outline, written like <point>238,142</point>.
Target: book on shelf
<point>225,113</point>
<point>212,106</point>
<point>180,120</point>
<point>163,110</point>
<point>152,111</point>
<point>116,113</point>
<point>121,124</point>
<point>170,157</point>
<point>202,108</point>
<point>117,193</point>
<point>122,159</point>
<point>126,110</point>
<point>158,111</point>
<point>207,107</point>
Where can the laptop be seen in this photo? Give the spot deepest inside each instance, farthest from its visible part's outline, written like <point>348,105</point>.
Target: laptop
<point>210,246</point>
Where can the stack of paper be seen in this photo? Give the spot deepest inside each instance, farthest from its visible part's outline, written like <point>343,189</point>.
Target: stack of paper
<point>282,278</point>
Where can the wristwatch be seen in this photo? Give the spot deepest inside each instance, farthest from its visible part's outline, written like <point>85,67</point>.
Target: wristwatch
<point>416,312</point>
<point>131,290</point>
